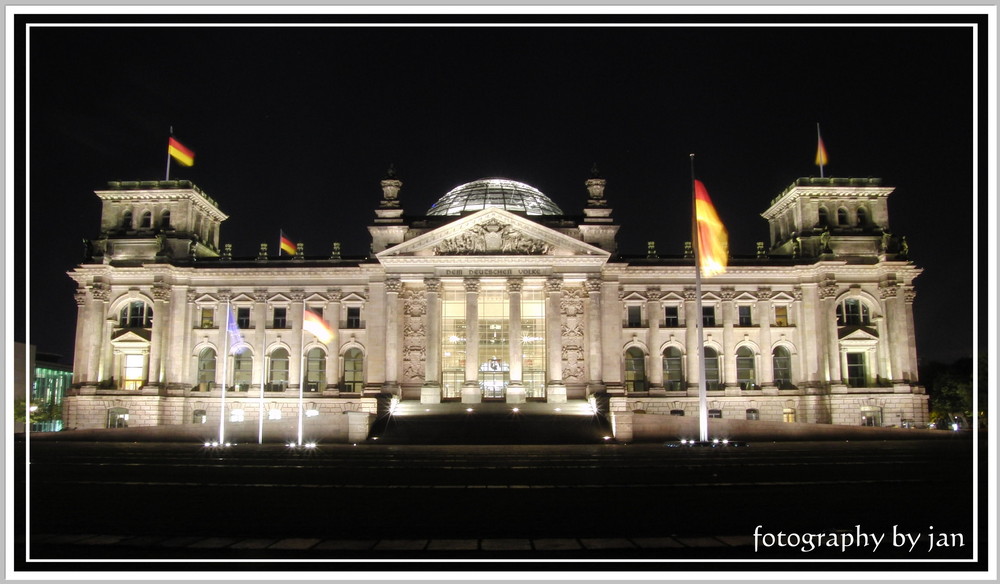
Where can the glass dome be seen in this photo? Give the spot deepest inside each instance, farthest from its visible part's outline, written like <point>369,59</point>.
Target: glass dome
<point>494,192</point>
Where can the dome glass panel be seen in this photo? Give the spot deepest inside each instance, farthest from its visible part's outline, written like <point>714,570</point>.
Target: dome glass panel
<point>494,192</point>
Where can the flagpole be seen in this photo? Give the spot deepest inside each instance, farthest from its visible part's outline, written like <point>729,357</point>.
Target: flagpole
<point>699,319</point>
<point>819,142</point>
<point>168,156</point>
<point>302,369</point>
<point>225,361</point>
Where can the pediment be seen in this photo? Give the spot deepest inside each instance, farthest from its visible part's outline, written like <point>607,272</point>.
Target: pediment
<point>672,297</point>
<point>315,298</point>
<point>862,334</point>
<point>279,298</point>
<point>242,298</point>
<point>710,296</point>
<point>633,296</point>
<point>782,297</point>
<point>352,297</point>
<point>492,232</point>
<point>745,297</point>
<point>206,299</point>
<point>131,337</point>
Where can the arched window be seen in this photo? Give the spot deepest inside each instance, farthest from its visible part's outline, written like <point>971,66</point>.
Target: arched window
<point>278,376</point>
<point>788,414</point>
<point>746,374</point>
<point>165,220</point>
<point>127,220</point>
<point>782,367</point>
<point>206,369</point>
<point>242,370</point>
<point>118,418</point>
<point>199,417</point>
<point>136,314</point>
<point>841,216</point>
<point>824,218</point>
<point>635,370</point>
<point>753,414</point>
<point>315,370</point>
<point>714,413</point>
<point>147,220</point>
<point>676,412</point>
<point>712,379</point>
<point>862,217</point>
<point>354,370</point>
<point>852,311</point>
<point>673,375</point>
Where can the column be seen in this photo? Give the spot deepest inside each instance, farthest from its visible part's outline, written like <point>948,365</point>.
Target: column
<point>471,393</point>
<point>728,343</point>
<point>223,368</point>
<point>595,357</point>
<point>555,390</point>
<point>611,330</point>
<point>176,352</point>
<point>86,336</point>
<point>100,331</point>
<point>331,314</point>
<point>430,393</point>
<point>910,371</point>
<point>295,360</point>
<point>515,389</point>
<point>691,320</point>
<point>161,294</point>
<point>764,320</point>
<point>654,361</point>
<point>828,327</point>
<point>392,332</point>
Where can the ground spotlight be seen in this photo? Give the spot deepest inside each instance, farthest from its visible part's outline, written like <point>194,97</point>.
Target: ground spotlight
<point>310,445</point>
<point>515,410</point>
<point>607,437</point>
<point>468,409</point>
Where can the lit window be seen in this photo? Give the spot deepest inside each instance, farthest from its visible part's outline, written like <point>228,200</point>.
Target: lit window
<point>134,371</point>
<point>274,414</point>
<point>671,317</point>
<point>236,415</point>
<point>312,413</point>
<point>207,317</point>
<point>744,316</point>
<point>780,316</point>
<point>788,414</point>
<point>753,414</point>
<point>118,418</point>
<point>871,416</point>
<point>635,370</point>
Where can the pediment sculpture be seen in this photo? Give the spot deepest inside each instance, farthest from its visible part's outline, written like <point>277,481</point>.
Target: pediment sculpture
<point>492,237</point>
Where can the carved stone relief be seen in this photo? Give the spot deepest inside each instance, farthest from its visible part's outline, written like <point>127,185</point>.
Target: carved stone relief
<point>414,334</point>
<point>572,333</point>
<point>492,237</point>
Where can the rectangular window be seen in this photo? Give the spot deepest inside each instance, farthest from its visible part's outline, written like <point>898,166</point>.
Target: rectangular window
<point>134,368</point>
<point>353,317</point>
<point>207,317</point>
<point>279,320</point>
<point>671,317</point>
<point>452,342</point>
<point>780,316</point>
<point>634,317</point>
<point>744,316</point>
<point>857,376</point>
<point>715,413</point>
<point>708,315</point>
<point>243,317</point>
<point>533,342</point>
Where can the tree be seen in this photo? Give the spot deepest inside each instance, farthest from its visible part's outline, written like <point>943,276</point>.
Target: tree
<point>950,389</point>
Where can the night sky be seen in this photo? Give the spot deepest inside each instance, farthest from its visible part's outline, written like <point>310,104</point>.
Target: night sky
<point>294,127</point>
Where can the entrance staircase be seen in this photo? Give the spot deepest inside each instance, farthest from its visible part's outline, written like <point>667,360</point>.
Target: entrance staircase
<point>411,422</point>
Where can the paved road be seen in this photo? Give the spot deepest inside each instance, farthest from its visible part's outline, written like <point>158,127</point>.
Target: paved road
<point>587,501</point>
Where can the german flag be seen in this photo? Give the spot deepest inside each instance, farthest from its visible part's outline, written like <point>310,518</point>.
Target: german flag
<point>180,152</point>
<point>286,245</point>
<point>712,237</point>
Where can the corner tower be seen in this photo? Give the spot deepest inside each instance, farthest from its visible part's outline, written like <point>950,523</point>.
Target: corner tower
<point>148,221</point>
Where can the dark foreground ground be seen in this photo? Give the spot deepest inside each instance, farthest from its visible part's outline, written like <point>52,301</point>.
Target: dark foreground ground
<point>641,506</point>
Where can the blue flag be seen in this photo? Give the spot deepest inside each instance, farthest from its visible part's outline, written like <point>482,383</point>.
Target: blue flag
<point>235,336</point>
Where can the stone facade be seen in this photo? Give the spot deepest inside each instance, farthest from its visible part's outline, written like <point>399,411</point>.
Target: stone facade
<point>499,302</point>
